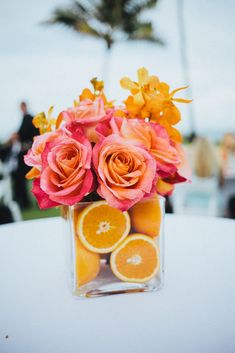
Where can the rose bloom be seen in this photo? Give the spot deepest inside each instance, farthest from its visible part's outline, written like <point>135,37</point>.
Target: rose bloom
<point>151,135</point>
<point>165,186</point>
<point>169,156</point>
<point>33,158</point>
<point>126,171</point>
<point>88,114</point>
<point>66,175</point>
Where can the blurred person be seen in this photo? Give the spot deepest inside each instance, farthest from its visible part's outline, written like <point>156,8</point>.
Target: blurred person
<point>21,143</point>
<point>192,137</point>
<point>228,155</point>
<point>205,163</point>
<point>228,171</point>
<point>189,148</point>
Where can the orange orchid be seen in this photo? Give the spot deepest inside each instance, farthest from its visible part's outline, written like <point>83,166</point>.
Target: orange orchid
<point>33,173</point>
<point>161,105</point>
<point>152,99</point>
<point>87,94</point>
<point>98,92</point>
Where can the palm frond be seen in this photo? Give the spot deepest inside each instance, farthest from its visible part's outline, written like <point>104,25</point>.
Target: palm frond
<point>108,19</point>
<point>65,16</point>
<point>85,10</point>
<point>73,20</point>
<point>144,31</point>
<point>137,6</point>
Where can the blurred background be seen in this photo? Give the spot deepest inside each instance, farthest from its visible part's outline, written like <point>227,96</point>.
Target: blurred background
<point>51,49</point>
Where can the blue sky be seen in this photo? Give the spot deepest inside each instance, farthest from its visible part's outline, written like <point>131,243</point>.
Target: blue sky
<point>50,65</point>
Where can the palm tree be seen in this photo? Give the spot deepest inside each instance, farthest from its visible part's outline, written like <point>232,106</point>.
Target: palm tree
<point>185,62</point>
<point>108,20</point>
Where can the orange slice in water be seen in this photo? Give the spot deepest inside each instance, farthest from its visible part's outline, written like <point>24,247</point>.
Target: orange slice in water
<point>146,217</point>
<point>136,259</point>
<point>101,228</point>
<point>87,264</point>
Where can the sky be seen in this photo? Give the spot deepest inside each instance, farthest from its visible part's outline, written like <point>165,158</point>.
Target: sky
<point>50,65</point>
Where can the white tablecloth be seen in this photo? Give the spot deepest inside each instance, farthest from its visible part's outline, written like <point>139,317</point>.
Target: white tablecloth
<point>193,313</point>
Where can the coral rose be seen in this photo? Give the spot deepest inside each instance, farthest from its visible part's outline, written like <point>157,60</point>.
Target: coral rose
<point>33,157</point>
<point>66,176</point>
<point>126,171</point>
<point>165,186</point>
<point>151,135</point>
<point>88,114</point>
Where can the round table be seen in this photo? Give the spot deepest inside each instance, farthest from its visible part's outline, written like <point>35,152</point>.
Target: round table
<point>193,313</point>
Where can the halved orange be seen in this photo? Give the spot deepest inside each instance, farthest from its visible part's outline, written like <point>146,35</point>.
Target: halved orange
<point>87,264</point>
<point>136,259</point>
<point>146,217</point>
<point>101,228</point>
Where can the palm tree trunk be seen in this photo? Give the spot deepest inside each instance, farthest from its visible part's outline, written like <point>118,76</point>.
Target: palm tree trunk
<point>185,61</point>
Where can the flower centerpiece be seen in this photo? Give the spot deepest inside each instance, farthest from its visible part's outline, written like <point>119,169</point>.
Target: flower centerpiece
<point>112,165</point>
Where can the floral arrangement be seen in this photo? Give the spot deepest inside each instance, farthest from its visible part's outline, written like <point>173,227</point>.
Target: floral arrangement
<point>99,150</point>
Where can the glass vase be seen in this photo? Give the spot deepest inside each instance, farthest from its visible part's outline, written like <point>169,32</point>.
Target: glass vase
<point>114,252</point>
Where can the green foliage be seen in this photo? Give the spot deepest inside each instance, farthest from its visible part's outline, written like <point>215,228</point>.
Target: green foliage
<point>109,20</point>
<point>35,212</point>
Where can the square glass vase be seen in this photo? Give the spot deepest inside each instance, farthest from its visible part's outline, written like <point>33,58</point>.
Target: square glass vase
<point>114,252</point>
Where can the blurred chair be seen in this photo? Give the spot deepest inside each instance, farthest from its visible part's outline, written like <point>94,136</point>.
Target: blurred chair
<point>201,197</point>
<point>6,194</point>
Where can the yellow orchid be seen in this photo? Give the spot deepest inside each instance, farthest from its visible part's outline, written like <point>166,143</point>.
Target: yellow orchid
<point>152,99</point>
<point>98,85</point>
<point>45,123</point>
<point>98,92</point>
<point>146,85</point>
<point>87,94</point>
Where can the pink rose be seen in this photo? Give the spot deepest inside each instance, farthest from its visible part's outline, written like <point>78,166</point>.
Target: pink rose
<point>33,156</point>
<point>165,186</point>
<point>126,171</point>
<point>66,175</point>
<point>88,114</point>
<point>184,169</point>
<point>183,172</point>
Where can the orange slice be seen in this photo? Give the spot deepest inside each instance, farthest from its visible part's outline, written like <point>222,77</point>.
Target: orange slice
<point>87,264</point>
<point>136,259</point>
<point>101,228</point>
<point>146,217</point>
